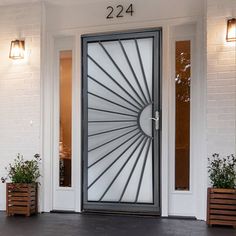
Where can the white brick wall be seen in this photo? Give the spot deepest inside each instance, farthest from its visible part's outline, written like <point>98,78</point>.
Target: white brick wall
<point>19,86</point>
<point>20,83</point>
<point>221,79</point>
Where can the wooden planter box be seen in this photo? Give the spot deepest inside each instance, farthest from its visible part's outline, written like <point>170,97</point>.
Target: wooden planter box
<point>221,206</point>
<point>21,199</point>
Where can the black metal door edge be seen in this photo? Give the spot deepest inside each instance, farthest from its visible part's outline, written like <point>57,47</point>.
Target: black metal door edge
<point>146,209</point>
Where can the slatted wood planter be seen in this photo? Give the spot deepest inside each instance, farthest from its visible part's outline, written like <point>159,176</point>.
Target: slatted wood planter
<point>21,199</point>
<point>221,207</point>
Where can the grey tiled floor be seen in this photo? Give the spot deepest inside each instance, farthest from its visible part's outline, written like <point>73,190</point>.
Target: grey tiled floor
<point>105,225</point>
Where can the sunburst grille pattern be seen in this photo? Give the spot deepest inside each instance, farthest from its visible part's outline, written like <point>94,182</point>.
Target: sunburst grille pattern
<point>119,84</point>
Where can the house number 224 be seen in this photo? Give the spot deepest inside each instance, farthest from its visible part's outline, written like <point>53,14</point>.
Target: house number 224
<point>119,11</point>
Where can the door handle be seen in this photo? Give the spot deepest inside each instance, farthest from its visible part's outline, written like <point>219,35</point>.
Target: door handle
<point>156,119</point>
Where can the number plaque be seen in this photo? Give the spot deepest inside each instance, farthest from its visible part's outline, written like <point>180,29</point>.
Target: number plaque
<point>119,11</point>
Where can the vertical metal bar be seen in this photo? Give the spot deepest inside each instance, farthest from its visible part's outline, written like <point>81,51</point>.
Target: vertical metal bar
<point>142,69</point>
<point>120,170</point>
<point>132,170</point>
<point>123,75</point>
<point>132,70</point>
<point>142,171</point>
<point>84,126</point>
<point>156,107</point>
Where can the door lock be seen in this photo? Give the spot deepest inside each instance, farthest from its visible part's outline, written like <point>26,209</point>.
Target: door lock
<point>156,119</point>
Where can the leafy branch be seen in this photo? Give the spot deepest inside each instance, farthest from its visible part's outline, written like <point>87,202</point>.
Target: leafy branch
<point>23,171</point>
<point>222,171</point>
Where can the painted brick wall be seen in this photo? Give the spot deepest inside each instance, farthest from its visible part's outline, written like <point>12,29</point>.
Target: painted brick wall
<point>221,78</point>
<point>19,86</point>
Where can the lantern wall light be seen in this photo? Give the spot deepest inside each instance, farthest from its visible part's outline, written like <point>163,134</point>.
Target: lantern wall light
<point>17,49</point>
<point>231,30</point>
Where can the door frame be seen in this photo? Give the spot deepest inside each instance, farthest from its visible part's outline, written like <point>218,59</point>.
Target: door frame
<point>172,111</point>
<point>46,134</point>
<point>180,198</point>
<point>152,209</point>
<point>60,193</point>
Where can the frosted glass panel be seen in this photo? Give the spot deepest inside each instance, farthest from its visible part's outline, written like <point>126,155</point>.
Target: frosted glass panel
<point>120,105</point>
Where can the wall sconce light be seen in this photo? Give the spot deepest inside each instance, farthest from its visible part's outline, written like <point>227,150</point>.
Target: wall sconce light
<point>17,49</point>
<point>231,30</point>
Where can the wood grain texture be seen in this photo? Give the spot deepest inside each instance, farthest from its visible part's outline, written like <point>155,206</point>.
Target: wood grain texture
<point>221,207</point>
<point>21,199</point>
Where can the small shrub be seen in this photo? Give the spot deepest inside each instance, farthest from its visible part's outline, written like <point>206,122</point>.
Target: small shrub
<point>222,171</point>
<point>23,171</point>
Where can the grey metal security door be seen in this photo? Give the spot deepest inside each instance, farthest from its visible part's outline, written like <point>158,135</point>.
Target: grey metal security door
<point>121,119</point>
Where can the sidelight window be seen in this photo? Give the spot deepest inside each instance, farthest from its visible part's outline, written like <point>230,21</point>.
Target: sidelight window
<point>182,114</point>
<point>65,118</point>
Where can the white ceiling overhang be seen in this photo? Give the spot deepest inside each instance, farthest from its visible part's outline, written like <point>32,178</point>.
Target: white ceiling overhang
<point>12,2</point>
<point>53,2</point>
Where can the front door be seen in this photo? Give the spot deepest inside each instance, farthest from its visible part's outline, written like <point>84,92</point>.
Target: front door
<point>121,122</point>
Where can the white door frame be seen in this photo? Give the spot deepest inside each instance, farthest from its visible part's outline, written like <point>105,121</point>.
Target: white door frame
<point>176,197</point>
<point>195,199</point>
<point>47,121</point>
<point>61,193</point>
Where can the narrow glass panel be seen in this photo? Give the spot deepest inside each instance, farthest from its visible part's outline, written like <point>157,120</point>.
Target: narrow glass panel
<point>182,114</point>
<point>65,118</point>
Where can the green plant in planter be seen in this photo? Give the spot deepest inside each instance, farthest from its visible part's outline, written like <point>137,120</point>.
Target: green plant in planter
<point>222,171</point>
<point>23,171</point>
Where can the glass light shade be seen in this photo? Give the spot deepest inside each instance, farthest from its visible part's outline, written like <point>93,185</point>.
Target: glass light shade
<point>17,49</point>
<point>231,30</point>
